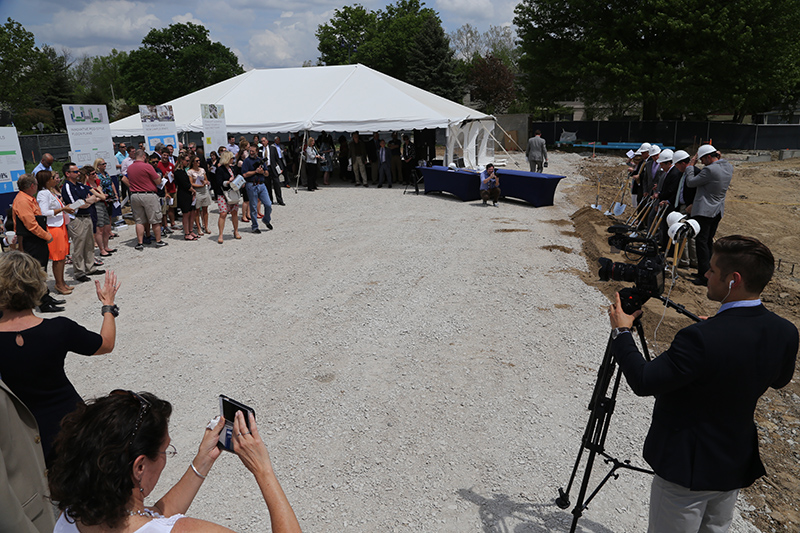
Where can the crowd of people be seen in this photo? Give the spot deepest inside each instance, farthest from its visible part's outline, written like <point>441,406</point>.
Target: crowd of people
<point>670,180</point>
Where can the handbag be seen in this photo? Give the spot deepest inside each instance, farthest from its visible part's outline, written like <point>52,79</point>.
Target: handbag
<point>232,195</point>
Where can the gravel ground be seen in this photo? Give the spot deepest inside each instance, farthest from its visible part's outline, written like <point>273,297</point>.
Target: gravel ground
<point>416,363</point>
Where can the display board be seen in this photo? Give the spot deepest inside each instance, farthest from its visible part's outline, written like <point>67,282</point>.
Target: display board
<point>215,132</point>
<point>158,123</point>
<point>89,133</point>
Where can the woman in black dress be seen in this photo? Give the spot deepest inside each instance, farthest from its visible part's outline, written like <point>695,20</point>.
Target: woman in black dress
<point>34,349</point>
<point>185,196</point>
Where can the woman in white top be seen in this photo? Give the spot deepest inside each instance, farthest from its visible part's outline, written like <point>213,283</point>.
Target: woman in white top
<point>110,454</point>
<point>312,160</point>
<point>200,183</point>
<point>54,209</point>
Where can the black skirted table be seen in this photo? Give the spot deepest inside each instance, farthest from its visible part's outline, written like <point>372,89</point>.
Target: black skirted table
<point>535,188</point>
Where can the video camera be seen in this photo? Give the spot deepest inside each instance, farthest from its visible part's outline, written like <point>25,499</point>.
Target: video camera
<point>647,275</point>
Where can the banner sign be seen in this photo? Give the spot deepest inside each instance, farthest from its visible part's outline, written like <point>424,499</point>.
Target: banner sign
<point>89,134</point>
<point>158,123</point>
<point>11,164</point>
<point>215,132</point>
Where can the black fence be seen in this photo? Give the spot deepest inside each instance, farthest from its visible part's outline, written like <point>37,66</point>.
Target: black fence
<point>723,135</point>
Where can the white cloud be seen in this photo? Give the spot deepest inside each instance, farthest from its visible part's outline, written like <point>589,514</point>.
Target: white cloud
<point>287,14</point>
<point>269,49</point>
<point>114,23</point>
<point>479,9</point>
<point>188,17</point>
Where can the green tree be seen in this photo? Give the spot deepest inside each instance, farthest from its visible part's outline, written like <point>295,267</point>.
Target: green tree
<point>492,85</point>
<point>18,59</point>
<point>54,83</point>
<point>175,61</point>
<point>431,64</point>
<point>378,39</point>
<point>659,57</point>
<point>98,79</point>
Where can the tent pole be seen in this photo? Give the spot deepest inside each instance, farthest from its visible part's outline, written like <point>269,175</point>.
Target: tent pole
<point>503,148</point>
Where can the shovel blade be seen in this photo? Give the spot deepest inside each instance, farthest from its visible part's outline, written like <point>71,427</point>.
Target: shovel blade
<point>619,209</point>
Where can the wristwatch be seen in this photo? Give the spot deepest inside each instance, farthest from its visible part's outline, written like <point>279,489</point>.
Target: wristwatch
<point>617,331</point>
<point>113,309</point>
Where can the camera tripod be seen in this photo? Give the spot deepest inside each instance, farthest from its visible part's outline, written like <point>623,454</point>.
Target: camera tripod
<point>594,437</point>
<point>602,407</point>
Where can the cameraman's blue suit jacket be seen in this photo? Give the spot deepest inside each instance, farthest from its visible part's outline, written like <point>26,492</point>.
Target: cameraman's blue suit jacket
<point>706,385</point>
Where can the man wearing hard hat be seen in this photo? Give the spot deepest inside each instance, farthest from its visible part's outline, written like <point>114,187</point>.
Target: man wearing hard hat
<point>709,202</point>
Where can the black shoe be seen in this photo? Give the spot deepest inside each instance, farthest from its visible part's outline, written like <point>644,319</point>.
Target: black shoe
<point>160,244</point>
<point>82,279</point>
<point>49,300</point>
<point>269,226</point>
<point>147,239</point>
<point>310,190</point>
<point>366,185</point>
<point>390,185</point>
<point>380,186</point>
<point>256,230</point>
<point>139,246</point>
<point>50,308</point>
<point>280,202</point>
<point>358,185</point>
<point>97,272</point>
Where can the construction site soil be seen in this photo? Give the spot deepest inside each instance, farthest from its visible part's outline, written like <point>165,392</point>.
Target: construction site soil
<point>763,201</point>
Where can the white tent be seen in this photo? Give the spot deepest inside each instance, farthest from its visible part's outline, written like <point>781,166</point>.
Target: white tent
<point>337,98</point>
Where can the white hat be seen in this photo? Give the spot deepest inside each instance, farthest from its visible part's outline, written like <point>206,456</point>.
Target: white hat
<point>674,217</point>
<point>679,156</point>
<point>655,149</point>
<point>665,156</point>
<point>645,147</point>
<point>705,150</point>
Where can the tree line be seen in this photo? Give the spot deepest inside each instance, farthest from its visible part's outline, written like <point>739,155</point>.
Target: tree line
<point>650,60</point>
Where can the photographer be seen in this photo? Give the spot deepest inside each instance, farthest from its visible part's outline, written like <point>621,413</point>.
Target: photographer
<point>490,185</point>
<point>703,443</point>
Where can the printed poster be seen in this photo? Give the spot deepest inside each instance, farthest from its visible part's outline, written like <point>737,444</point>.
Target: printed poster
<point>215,132</point>
<point>89,133</point>
<point>158,123</point>
<point>11,164</point>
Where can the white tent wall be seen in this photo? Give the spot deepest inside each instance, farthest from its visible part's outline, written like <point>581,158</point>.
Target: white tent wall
<point>471,139</point>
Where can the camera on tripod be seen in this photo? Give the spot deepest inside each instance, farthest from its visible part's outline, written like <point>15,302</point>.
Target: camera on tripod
<point>647,275</point>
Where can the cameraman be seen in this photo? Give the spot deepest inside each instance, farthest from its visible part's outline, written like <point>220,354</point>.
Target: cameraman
<point>490,185</point>
<point>703,443</point>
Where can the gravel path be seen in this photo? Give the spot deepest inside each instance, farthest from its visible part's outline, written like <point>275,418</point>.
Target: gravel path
<point>416,363</point>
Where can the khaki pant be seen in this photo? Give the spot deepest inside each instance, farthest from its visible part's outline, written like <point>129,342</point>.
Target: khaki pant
<point>360,169</point>
<point>82,249</point>
<point>676,509</point>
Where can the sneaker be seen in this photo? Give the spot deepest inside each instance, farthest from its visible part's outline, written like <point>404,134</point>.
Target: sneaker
<point>139,246</point>
<point>256,230</point>
<point>160,244</point>
<point>148,240</point>
<point>269,226</point>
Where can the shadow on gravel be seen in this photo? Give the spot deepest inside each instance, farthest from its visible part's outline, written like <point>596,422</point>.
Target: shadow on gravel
<point>501,514</point>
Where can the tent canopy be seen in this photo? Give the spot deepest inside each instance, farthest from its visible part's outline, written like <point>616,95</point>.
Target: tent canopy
<point>335,98</point>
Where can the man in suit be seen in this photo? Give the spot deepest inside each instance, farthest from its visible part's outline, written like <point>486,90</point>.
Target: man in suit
<point>536,152</point>
<point>709,202</point>
<point>277,167</point>
<point>703,443</point>
<point>24,506</point>
<point>372,156</point>
<point>384,163</point>
<point>665,191</point>
<point>684,197</point>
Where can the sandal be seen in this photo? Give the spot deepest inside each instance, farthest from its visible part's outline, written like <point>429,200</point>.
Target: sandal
<point>237,236</point>
<point>189,237</point>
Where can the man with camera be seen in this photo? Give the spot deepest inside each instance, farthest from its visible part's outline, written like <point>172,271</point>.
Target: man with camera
<point>703,443</point>
<point>255,174</point>
<point>490,185</point>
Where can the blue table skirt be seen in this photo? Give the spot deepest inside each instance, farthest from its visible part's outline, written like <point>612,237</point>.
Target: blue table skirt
<point>532,187</point>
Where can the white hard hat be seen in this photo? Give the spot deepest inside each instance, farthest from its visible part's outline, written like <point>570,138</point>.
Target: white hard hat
<point>655,149</point>
<point>679,156</point>
<point>674,217</point>
<point>705,150</point>
<point>695,227</point>
<point>665,156</point>
<point>673,229</point>
<point>645,147</point>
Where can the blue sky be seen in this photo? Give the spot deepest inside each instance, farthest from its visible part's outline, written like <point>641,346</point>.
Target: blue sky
<point>262,33</point>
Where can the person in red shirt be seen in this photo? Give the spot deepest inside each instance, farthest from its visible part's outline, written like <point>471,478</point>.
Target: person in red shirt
<point>143,182</point>
<point>166,167</point>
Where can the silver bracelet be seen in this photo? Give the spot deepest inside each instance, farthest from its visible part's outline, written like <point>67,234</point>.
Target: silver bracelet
<point>201,476</point>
